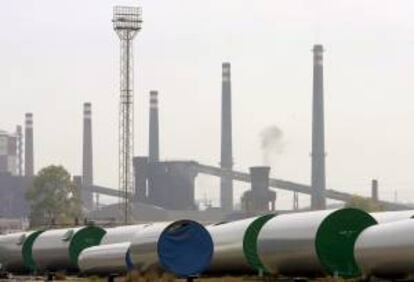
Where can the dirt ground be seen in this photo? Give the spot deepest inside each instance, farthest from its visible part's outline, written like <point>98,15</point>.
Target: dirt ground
<point>133,278</point>
<point>151,277</point>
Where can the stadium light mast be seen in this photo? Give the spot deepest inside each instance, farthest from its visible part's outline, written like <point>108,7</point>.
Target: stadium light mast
<point>127,23</point>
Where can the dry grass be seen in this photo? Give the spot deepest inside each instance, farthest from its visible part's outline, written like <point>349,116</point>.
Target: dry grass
<point>222,279</point>
<point>165,277</point>
<point>60,276</point>
<point>148,277</point>
<point>96,279</point>
<point>333,279</point>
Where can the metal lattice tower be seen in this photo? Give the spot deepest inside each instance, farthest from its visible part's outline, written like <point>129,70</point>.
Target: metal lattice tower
<point>127,22</point>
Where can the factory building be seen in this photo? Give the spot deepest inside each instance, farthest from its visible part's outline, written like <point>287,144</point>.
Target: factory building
<point>172,184</point>
<point>140,173</point>
<point>13,189</point>
<point>166,184</point>
<point>259,198</point>
<point>8,153</point>
<point>13,183</point>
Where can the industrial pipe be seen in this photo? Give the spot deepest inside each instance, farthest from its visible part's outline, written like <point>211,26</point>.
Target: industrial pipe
<point>313,243</point>
<point>235,246</point>
<point>16,251</point>
<point>183,247</point>
<point>112,256</point>
<point>59,249</point>
<point>386,217</point>
<point>11,255</point>
<point>121,234</point>
<point>386,250</point>
<point>106,259</point>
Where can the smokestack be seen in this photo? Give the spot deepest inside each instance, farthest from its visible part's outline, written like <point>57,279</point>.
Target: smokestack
<point>154,149</point>
<point>28,151</point>
<point>260,197</point>
<point>318,200</point>
<point>259,176</point>
<point>374,190</point>
<point>19,139</point>
<point>226,163</point>
<point>87,161</point>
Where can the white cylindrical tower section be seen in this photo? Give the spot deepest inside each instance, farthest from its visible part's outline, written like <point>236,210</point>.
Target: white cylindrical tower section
<point>386,250</point>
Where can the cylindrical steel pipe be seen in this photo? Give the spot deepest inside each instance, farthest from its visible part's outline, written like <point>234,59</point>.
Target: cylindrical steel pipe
<point>313,243</point>
<point>112,255</point>
<point>11,255</point>
<point>59,249</point>
<point>235,246</point>
<point>120,234</point>
<point>16,251</point>
<point>106,259</point>
<point>386,250</point>
<point>391,216</point>
<point>182,247</point>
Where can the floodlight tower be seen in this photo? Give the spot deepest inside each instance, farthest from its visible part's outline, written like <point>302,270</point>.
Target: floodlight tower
<point>127,22</point>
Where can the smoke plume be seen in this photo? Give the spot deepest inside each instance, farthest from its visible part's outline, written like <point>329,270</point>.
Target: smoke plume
<point>271,143</point>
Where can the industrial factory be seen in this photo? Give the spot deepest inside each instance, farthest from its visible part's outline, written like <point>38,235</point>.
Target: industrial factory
<point>14,181</point>
<point>154,225</point>
<point>151,188</point>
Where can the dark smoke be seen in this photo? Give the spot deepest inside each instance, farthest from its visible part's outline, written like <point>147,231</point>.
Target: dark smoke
<point>271,143</point>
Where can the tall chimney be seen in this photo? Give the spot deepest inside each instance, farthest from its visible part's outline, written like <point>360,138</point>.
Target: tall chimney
<point>374,190</point>
<point>318,200</point>
<point>87,161</point>
<point>226,163</point>
<point>28,151</point>
<point>19,153</point>
<point>154,149</point>
<point>260,197</point>
<point>260,178</point>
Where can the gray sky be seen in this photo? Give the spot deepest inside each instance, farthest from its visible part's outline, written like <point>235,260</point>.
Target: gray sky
<point>55,55</point>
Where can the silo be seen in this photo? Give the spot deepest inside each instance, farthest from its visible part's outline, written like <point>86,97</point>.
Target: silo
<point>183,247</point>
<point>59,249</point>
<point>386,250</point>
<point>235,246</point>
<point>314,243</point>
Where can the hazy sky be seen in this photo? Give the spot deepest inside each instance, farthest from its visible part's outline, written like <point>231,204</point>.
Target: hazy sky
<point>55,55</point>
